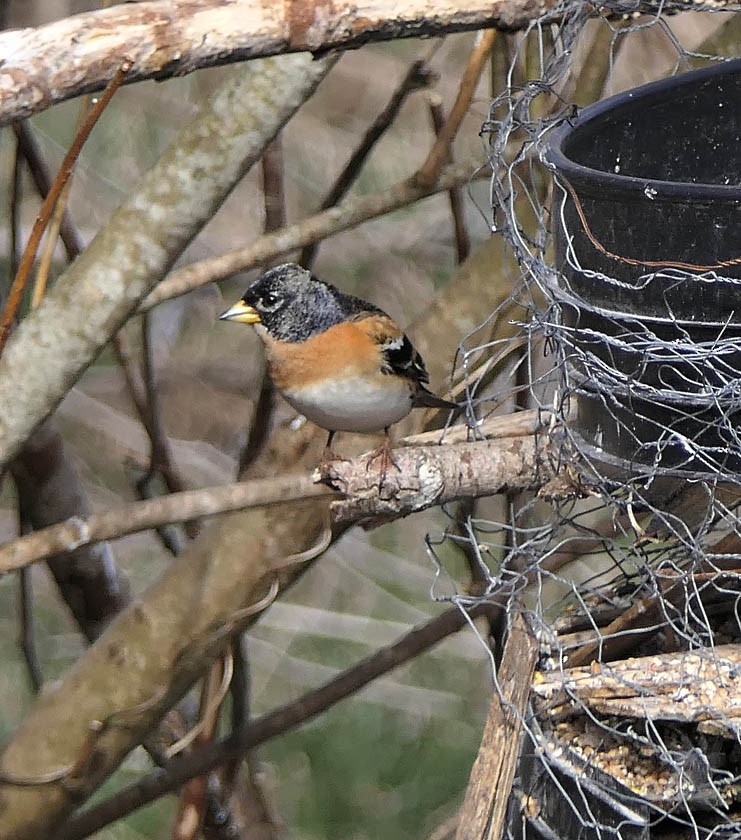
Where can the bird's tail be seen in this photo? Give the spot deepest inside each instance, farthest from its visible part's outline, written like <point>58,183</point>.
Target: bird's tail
<point>426,399</point>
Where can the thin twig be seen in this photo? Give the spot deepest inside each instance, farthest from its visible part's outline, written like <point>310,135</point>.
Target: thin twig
<point>283,719</point>
<point>273,186</point>
<point>259,431</point>
<point>193,799</point>
<point>28,635</point>
<point>417,76</point>
<point>29,148</point>
<point>240,691</point>
<point>55,224</point>
<point>15,215</point>
<point>50,243</point>
<point>161,459</point>
<point>462,242</point>
<point>350,213</point>
<point>432,167</point>
<point>15,295</point>
<point>131,375</point>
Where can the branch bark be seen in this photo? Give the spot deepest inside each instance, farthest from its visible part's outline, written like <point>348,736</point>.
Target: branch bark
<point>423,476</point>
<point>55,343</point>
<point>49,491</point>
<point>485,804</point>
<point>275,723</point>
<point>164,38</point>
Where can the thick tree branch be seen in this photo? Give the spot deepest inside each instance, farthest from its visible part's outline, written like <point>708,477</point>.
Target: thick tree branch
<point>166,38</point>
<point>275,723</point>
<point>485,805</point>
<point>90,301</point>
<point>50,491</point>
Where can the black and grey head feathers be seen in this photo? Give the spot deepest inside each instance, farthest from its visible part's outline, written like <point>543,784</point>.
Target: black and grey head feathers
<point>294,305</point>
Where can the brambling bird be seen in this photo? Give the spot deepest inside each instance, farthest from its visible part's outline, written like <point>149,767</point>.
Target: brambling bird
<point>340,361</point>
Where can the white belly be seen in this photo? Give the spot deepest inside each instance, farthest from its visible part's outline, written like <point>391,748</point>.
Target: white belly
<point>353,405</point>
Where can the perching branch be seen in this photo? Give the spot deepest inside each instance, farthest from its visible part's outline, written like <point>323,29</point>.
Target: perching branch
<point>425,476</point>
<point>165,38</point>
<point>433,475</point>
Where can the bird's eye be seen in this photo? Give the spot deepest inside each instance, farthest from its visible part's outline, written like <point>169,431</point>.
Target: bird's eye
<point>270,301</point>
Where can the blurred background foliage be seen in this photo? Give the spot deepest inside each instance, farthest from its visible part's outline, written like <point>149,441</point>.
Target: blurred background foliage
<point>392,761</point>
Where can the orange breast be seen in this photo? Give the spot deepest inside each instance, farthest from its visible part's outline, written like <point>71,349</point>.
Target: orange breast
<point>344,350</point>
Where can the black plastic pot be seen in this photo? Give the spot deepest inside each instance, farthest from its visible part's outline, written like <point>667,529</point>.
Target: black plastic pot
<point>647,230</point>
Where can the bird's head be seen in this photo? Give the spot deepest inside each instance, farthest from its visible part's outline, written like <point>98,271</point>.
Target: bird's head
<point>289,303</point>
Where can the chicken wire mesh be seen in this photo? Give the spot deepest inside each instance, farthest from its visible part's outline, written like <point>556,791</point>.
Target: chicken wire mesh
<point>634,587</point>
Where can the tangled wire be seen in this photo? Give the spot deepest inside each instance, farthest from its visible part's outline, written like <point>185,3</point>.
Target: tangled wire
<point>628,303</point>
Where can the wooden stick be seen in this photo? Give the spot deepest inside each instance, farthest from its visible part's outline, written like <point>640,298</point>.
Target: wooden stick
<point>485,804</point>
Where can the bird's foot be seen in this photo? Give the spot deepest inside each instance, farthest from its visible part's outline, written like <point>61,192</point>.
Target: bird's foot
<point>383,454</point>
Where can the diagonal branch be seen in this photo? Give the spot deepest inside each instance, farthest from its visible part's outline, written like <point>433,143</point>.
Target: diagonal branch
<point>274,723</point>
<point>50,349</point>
<point>350,213</point>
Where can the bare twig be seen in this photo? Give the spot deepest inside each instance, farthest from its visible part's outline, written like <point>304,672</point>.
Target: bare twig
<point>193,799</point>
<point>65,171</point>
<point>350,213</point>
<point>131,374</point>
<point>416,77</point>
<point>139,516</point>
<point>273,186</point>
<point>50,243</point>
<point>269,726</point>
<point>161,460</point>
<point>42,180</point>
<point>55,224</point>
<point>50,491</point>
<point>462,242</point>
<point>165,38</point>
<point>520,423</point>
<point>15,217</point>
<point>431,168</point>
